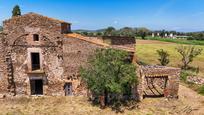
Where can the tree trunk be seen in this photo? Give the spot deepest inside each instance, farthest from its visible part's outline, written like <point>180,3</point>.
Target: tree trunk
<point>102,101</point>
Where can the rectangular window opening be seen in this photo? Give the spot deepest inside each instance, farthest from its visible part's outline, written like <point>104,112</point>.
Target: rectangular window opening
<point>35,37</point>
<point>35,61</point>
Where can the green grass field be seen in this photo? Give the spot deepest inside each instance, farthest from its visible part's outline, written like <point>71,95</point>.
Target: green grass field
<point>146,52</point>
<point>178,41</point>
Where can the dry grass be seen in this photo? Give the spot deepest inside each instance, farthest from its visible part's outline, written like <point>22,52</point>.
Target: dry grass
<point>146,51</point>
<point>189,102</point>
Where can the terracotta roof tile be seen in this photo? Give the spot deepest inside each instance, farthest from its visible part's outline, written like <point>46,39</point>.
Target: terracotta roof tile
<point>97,41</point>
<point>88,39</point>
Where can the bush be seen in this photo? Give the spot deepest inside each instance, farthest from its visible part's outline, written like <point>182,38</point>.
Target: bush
<point>201,90</point>
<point>140,62</point>
<point>109,73</point>
<point>183,76</point>
<point>188,53</point>
<point>163,57</point>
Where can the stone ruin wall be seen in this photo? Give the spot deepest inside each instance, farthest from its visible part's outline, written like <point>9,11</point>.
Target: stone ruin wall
<point>76,53</point>
<point>3,74</point>
<point>120,41</point>
<point>51,62</point>
<point>62,57</point>
<point>172,74</point>
<point>19,38</point>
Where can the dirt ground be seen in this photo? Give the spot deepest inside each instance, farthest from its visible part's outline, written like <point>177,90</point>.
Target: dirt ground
<point>189,103</point>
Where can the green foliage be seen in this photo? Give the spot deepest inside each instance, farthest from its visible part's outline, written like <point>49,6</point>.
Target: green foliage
<point>178,41</point>
<point>16,11</point>
<point>110,31</point>
<point>184,75</point>
<point>163,57</point>
<point>1,28</point>
<point>126,31</point>
<point>188,53</point>
<point>108,72</point>
<point>143,35</point>
<point>196,36</point>
<point>201,90</point>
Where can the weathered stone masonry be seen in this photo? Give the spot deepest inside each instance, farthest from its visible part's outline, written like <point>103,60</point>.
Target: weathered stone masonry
<point>20,44</point>
<point>39,56</point>
<point>156,81</point>
<point>60,56</point>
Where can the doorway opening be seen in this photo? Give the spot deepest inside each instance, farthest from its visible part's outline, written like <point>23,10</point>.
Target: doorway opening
<point>36,87</point>
<point>155,86</point>
<point>68,89</point>
<point>35,61</point>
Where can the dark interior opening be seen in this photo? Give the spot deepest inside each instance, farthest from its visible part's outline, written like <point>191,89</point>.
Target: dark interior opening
<point>35,60</point>
<point>155,87</point>
<point>68,89</point>
<point>35,37</point>
<point>36,87</point>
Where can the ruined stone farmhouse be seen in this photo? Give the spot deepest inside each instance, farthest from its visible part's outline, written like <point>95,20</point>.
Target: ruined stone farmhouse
<point>41,56</point>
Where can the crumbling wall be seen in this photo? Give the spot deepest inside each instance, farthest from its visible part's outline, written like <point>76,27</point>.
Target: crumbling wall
<point>159,74</point>
<point>120,41</point>
<point>16,25</point>
<point>3,73</point>
<point>19,39</point>
<point>51,55</point>
<point>76,53</point>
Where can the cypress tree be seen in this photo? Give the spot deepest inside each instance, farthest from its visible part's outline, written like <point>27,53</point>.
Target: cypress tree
<point>16,11</point>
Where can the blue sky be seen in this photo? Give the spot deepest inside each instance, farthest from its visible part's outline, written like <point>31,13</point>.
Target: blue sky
<point>180,15</point>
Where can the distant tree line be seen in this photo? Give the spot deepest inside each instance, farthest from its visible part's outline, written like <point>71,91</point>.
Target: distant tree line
<point>140,32</point>
<point>126,31</point>
<point>191,35</point>
<point>196,36</point>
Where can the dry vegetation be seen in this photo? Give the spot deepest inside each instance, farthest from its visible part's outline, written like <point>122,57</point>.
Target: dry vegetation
<point>189,102</point>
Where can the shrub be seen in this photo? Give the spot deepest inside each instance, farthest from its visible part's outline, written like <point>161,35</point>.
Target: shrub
<point>201,90</point>
<point>184,75</point>
<point>188,53</point>
<point>163,57</point>
<point>109,73</point>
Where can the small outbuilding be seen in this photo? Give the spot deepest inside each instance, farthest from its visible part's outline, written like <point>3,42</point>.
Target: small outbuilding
<point>158,81</point>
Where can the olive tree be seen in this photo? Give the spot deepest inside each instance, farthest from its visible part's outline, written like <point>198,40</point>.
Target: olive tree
<point>109,73</point>
<point>188,53</point>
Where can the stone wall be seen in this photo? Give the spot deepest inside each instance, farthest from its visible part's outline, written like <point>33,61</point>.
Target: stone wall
<point>3,73</point>
<point>76,53</point>
<point>121,41</point>
<point>159,74</point>
<point>60,57</point>
<point>20,44</point>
